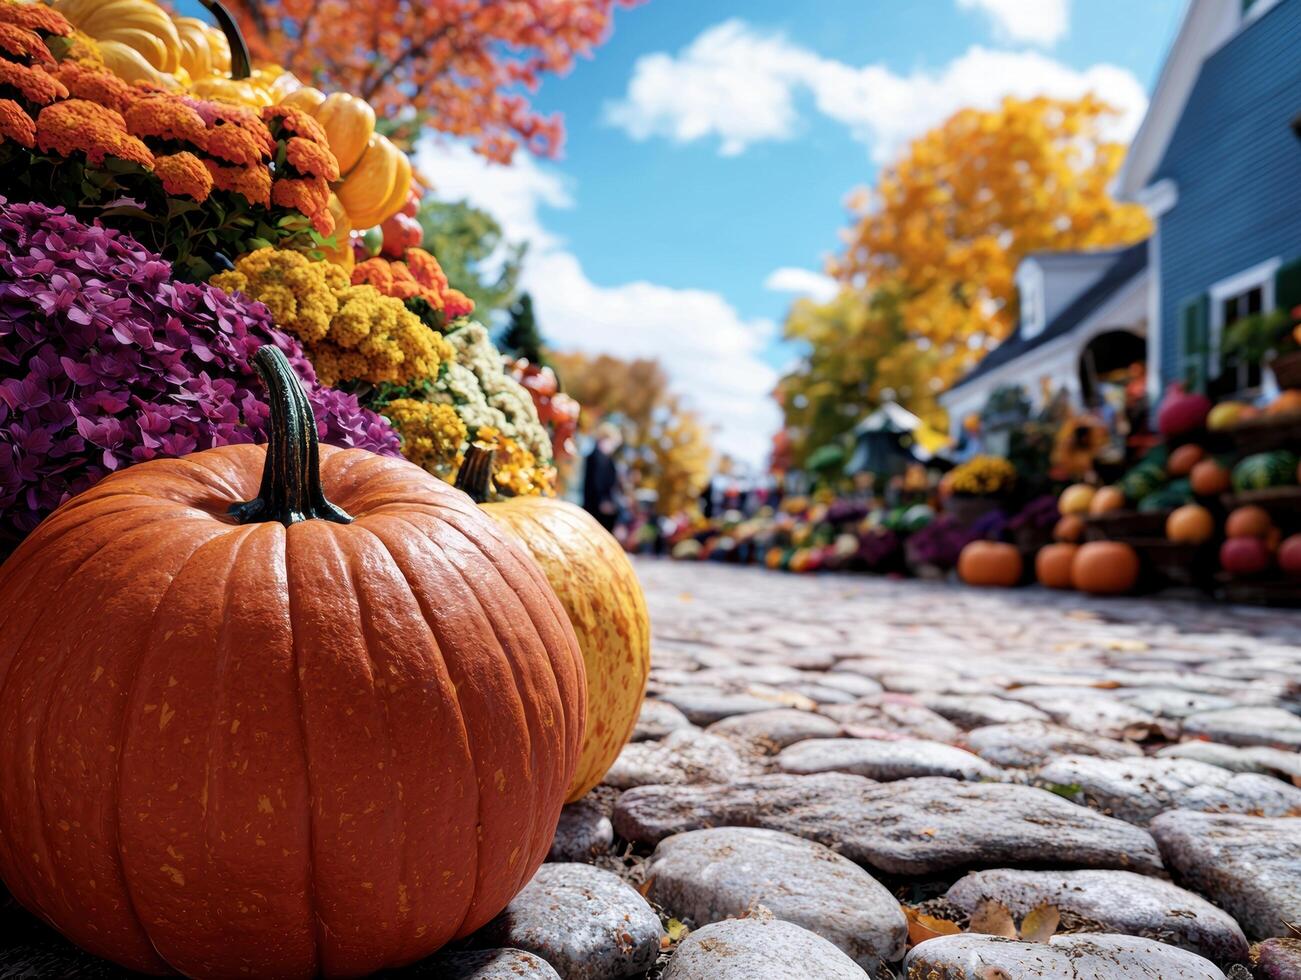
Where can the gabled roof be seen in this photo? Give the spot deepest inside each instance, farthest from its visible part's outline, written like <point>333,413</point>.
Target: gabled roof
<point>1128,263</point>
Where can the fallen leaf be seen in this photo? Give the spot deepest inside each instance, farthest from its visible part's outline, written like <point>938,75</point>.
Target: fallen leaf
<point>644,888</point>
<point>922,927</point>
<point>992,918</point>
<point>1106,685</point>
<point>676,930</point>
<point>1133,646</point>
<point>1040,923</point>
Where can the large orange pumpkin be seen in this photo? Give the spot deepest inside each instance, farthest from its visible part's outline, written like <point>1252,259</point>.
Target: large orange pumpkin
<point>1052,565</point>
<point>1105,568</point>
<point>281,738</point>
<point>1107,500</point>
<point>991,563</point>
<point>1069,528</point>
<point>599,590</point>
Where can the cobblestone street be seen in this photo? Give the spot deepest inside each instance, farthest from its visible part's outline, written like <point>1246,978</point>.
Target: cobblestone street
<point>1126,769</point>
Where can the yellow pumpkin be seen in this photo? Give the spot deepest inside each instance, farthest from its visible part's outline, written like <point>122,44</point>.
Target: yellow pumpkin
<point>1075,499</point>
<point>374,182</point>
<point>307,98</point>
<point>349,123</point>
<point>598,588</point>
<point>204,48</point>
<point>341,255</point>
<point>141,26</point>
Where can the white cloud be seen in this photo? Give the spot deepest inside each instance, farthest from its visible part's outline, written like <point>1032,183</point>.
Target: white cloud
<point>802,282</point>
<point>1036,21</point>
<point>741,86</point>
<point>712,354</point>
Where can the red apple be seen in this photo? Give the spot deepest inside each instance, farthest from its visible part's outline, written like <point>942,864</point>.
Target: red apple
<point>1244,557</point>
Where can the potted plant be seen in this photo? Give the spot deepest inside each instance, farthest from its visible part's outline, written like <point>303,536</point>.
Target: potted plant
<point>1273,338</point>
<point>979,486</point>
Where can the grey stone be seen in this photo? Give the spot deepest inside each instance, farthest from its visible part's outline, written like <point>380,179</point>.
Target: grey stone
<point>1138,789</point>
<point>1093,711</point>
<point>1121,901</point>
<point>1248,866</point>
<point>771,731</point>
<point>974,710</point>
<point>657,719</point>
<point>913,826</point>
<point>685,756</point>
<point>1247,726</point>
<point>850,683</point>
<point>1079,957</point>
<point>820,694</point>
<point>1024,744</point>
<point>1244,758</point>
<point>1172,702</point>
<point>1279,959</point>
<point>758,949</point>
<point>708,875</point>
<point>883,759</point>
<point>704,706</point>
<point>587,923</point>
<point>895,714</point>
<point>584,832</point>
<point>487,964</point>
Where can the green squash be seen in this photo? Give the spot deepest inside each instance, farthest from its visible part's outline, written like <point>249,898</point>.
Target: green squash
<point>1264,470</point>
<point>1143,479</point>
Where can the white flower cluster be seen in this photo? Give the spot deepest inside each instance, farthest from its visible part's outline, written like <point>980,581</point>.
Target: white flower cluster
<point>484,394</point>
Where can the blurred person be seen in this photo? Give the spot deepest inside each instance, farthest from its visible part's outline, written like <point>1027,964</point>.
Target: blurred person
<point>601,477</point>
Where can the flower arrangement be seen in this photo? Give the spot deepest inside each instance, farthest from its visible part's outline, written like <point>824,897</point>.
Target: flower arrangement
<point>983,476</point>
<point>419,281</point>
<point>490,396</point>
<point>192,179</point>
<point>352,333</point>
<point>109,361</point>
<point>432,435</point>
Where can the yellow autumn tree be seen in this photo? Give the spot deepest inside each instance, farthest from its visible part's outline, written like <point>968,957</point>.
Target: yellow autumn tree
<point>857,356</point>
<point>946,225</point>
<point>668,447</point>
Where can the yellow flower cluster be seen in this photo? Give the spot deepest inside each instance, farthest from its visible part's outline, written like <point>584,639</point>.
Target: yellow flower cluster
<point>432,435</point>
<point>984,476</point>
<point>351,333</point>
<point>517,472</point>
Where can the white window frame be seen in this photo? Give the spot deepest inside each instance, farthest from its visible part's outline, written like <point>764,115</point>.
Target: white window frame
<point>1256,9</point>
<point>1261,275</point>
<point>1033,313</point>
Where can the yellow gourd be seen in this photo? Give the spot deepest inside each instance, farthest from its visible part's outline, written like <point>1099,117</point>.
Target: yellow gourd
<point>598,588</point>
<point>349,123</point>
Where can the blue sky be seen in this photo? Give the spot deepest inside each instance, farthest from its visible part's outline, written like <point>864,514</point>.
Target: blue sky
<point>711,146</point>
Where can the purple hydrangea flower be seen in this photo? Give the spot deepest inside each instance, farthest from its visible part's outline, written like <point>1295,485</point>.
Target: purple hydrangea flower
<point>106,360</point>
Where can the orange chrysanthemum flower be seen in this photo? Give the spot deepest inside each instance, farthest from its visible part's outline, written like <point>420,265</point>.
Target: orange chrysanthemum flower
<point>184,175</point>
<point>309,195</point>
<point>375,272</point>
<point>426,270</point>
<point>95,85</point>
<point>35,17</point>
<point>21,44</point>
<point>295,121</point>
<point>166,117</point>
<point>36,84</point>
<point>16,125</point>
<point>314,159</point>
<point>78,126</point>
<point>254,183</point>
<point>456,304</point>
<point>233,145</point>
<point>221,116</point>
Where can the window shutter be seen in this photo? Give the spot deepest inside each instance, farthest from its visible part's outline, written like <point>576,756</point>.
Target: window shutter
<point>1194,342</point>
<point>1287,285</point>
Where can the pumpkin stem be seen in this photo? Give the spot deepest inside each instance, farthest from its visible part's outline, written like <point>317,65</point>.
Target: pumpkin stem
<point>475,474</point>
<point>291,479</point>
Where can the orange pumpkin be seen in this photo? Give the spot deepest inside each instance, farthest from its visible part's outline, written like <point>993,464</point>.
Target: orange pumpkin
<point>1069,529</point>
<point>1105,568</point>
<point>990,563</point>
<point>1249,522</point>
<point>1209,478</point>
<point>1183,459</point>
<point>1190,524</point>
<point>1052,565</point>
<point>285,737</point>
<point>598,587</point>
<point>1287,403</point>
<point>1107,500</point>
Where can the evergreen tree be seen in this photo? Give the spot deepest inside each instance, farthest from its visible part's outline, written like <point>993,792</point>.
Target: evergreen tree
<point>522,337</point>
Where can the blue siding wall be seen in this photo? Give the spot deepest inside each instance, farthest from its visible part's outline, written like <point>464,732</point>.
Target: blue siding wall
<point>1237,164</point>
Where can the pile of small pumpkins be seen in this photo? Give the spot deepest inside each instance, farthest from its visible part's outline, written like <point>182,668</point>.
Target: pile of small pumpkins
<point>294,710</point>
